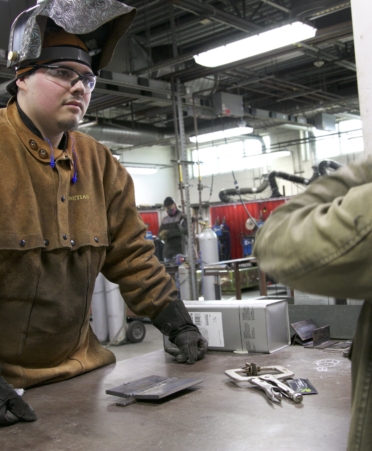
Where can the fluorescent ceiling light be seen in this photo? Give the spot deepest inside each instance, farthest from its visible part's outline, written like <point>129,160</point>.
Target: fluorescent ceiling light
<point>222,134</point>
<point>255,45</point>
<point>140,171</point>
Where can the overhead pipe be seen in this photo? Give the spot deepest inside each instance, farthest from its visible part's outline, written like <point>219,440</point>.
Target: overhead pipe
<point>317,8</point>
<point>319,170</point>
<point>143,135</point>
<point>217,15</point>
<point>225,194</point>
<point>202,91</point>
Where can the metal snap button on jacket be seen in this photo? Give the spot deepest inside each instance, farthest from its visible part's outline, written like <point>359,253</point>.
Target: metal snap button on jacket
<point>72,243</point>
<point>46,242</point>
<point>96,239</point>
<point>63,198</point>
<point>32,144</point>
<point>43,154</point>
<point>64,237</point>
<point>22,243</point>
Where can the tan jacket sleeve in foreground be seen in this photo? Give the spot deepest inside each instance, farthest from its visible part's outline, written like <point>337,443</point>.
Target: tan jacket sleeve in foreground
<point>320,241</point>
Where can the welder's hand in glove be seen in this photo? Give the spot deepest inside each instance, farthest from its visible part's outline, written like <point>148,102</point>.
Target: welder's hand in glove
<point>12,407</point>
<point>190,347</point>
<point>163,235</point>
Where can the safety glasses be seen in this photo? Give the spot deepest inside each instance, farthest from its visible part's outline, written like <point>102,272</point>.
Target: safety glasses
<point>67,77</point>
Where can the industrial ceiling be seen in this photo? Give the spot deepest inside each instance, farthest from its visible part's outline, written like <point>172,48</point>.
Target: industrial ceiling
<point>154,66</point>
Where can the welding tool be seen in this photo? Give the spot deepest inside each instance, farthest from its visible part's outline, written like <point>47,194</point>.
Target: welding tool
<point>268,379</point>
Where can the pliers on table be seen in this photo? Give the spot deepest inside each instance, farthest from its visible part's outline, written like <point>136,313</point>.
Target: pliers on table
<point>274,388</point>
<point>272,392</point>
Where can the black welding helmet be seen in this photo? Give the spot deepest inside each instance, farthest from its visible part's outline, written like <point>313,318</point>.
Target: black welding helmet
<point>99,24</point>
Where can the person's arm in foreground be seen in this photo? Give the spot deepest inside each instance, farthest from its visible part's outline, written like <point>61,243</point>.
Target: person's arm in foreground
<point>146,287</point>
<point>323,234</point>
<point>12,407</point>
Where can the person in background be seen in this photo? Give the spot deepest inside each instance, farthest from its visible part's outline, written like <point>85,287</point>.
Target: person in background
<point>320,242</point>
<point>173,231</point>
<point>68,209</point>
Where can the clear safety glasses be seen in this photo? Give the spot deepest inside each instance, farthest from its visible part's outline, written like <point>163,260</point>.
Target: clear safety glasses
<point>67,77</point>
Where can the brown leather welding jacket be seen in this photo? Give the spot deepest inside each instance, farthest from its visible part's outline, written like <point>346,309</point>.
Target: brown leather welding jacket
<point>55,237</point>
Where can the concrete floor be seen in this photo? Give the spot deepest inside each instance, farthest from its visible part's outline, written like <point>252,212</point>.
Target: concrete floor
<point>153,341</point>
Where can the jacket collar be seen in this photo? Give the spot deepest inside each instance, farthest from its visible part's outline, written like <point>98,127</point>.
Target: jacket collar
<point>32,139</point>
<point>31,126</point>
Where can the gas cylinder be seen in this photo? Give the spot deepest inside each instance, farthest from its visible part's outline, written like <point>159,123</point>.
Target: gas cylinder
<point>208,245</point>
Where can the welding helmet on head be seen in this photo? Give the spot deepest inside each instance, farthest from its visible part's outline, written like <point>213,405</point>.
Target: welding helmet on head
<point>98,24</point>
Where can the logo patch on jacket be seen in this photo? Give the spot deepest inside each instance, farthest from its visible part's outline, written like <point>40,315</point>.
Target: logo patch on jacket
<point>79,197</point>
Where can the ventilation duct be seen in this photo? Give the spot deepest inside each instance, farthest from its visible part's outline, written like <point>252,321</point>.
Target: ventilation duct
<point>145,135</point>
<point>285,176</point>
<point>111,135</point>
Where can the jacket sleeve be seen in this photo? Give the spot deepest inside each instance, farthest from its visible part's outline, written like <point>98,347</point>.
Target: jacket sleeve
<point>130,261</point>
<point>320,241</point>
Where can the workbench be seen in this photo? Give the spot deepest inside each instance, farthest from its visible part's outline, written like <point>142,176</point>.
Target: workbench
<point>216,415</point>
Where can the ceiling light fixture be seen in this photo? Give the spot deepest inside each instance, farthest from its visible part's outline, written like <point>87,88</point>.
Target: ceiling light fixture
<point>221,134</point>
<point>255,45</point>
<point>140,170</point>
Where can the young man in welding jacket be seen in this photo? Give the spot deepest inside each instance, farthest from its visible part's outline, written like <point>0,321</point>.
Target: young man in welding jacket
<point>68,209</point>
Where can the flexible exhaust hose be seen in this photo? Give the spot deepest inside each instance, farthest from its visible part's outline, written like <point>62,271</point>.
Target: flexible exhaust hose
<point>226,193</point>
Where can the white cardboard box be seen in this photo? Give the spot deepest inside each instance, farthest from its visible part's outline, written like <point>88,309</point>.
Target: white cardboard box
<point>254,325</point>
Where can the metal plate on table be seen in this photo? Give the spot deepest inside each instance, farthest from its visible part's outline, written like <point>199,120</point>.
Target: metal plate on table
<point>304,329</point>
<point>152,387</point>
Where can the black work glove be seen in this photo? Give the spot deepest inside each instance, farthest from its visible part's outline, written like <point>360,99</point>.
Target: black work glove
<point>190,347</point>
<point>188,343</point>
<point>12,407</point>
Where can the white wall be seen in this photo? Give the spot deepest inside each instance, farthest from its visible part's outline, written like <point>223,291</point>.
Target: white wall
<point>153,189</point>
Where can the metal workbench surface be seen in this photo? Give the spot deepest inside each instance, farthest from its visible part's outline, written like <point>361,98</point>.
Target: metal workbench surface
<point>217,415</point>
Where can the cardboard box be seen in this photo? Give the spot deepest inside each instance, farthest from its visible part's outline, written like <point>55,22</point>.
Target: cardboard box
<point>254,325</point>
